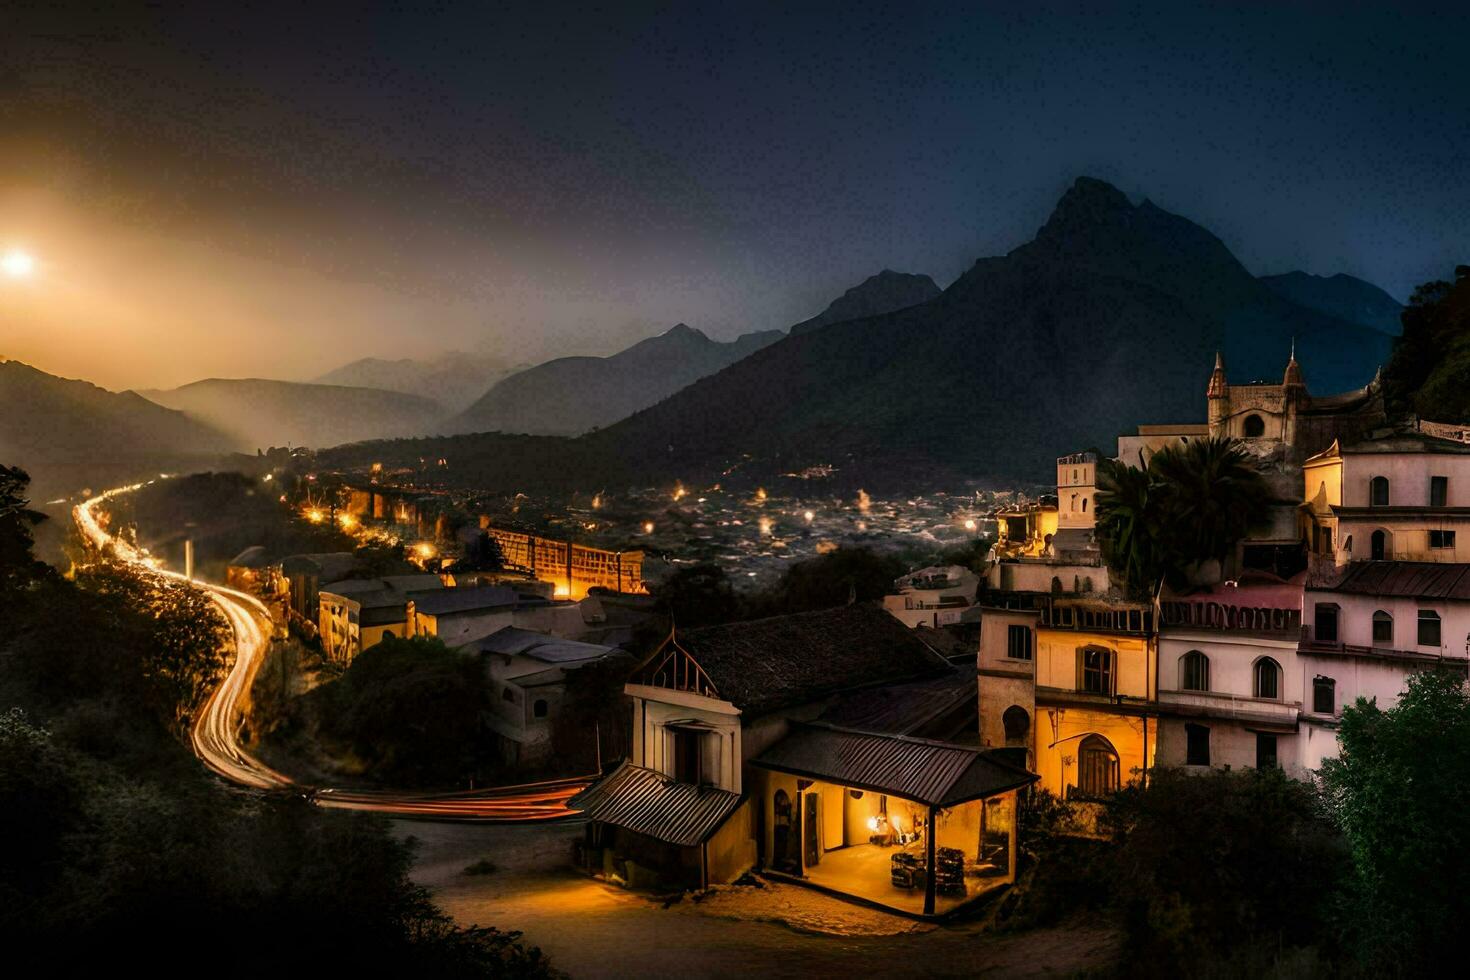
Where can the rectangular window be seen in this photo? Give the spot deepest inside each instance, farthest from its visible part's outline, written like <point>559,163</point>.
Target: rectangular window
<point>1382,629</point>
<point>1428,628</point>
<point>1326,631</point>
<point>1097,671</point>
<point>1018,642</point>
<point>1441,539</point>
<point>1265,751</point>
<point>1197,749</point>
<point>687,761</point>
<point>1324,695</point>
<point>1439,491</point>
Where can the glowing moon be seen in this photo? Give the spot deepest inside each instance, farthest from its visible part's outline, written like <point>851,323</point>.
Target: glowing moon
<point>18,265</point>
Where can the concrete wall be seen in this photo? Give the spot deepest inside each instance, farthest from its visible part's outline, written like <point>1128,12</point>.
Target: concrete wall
<point>654,709</point>
<point>732,850</point>
<point>1355,621</point>
<point>1408,477</point>
<point>1057,654</point>
<point>1232,662</point>
<point>1059,733</point>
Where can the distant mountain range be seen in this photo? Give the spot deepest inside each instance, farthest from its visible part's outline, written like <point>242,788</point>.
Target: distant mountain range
<point>571,395</point>
<point>1108,318</point>
<point>72,434</point>
<point>1342,296</point>
<point>883,293</point>
<point>256,413</point>
<point>454,380</point>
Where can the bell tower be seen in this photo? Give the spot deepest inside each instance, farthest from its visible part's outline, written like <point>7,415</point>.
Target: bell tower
<point>1218,397</point>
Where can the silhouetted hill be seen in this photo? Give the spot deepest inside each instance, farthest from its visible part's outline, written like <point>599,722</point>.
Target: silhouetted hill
<point>454,380</point>
<point>72,434</point>
<point>1343,296</point>
<point>571,395</point>
<point>883,293</point>
<point>257,413</point>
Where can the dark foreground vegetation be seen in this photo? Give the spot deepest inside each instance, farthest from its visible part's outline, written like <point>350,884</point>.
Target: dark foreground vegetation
<point>1252,873</point>
<point>117,844</point>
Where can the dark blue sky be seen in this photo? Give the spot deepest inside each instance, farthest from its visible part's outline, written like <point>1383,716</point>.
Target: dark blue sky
<point>549,180</point>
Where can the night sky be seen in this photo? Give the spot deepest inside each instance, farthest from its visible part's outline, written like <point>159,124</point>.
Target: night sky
<point>274,194</point>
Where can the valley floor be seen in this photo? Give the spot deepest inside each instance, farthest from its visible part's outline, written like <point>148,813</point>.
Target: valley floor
<point>590,929</point>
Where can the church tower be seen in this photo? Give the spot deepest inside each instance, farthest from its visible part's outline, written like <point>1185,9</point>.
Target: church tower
<point>1294,396</point>
<point>1218,396</point>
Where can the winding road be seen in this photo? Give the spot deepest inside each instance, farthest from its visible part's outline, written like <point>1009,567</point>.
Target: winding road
<point>215,735</point>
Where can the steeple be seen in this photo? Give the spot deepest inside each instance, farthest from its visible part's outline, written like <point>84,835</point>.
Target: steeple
<point>1217,378</point>
<point>1293,370</point>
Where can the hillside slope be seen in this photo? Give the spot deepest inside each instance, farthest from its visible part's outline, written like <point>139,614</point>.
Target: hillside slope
<point>257,413</point>
<point>454,380</point>
<point>883,293</point>
<point>571,395</point>
<point>1342,296</point>
<point>71,434</point>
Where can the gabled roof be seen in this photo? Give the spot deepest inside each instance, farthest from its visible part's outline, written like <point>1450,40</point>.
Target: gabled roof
<point>934,773</point>
<point>1404,579</point>
<point>650,803</point>
<point>767,664</point>
<point>900,709</point>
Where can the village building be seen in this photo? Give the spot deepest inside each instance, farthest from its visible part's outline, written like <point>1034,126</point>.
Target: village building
<point>934,596</point>
<point>1052,548</point>
<point>463,615</point>
<point>574,568</point>
<point>357,614</point>
<point>1231,689</point>
<point>527,673</point>
<point>1396,496</point>
<point>735,764</point>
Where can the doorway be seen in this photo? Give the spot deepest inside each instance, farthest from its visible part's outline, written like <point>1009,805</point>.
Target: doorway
<point>1377,546</point>
<point>811,843</point>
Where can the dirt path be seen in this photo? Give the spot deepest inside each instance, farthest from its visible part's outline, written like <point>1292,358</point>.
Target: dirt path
<point>595,930</point>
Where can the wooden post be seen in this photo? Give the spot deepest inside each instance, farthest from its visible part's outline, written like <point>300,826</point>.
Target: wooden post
<point>931,869</point>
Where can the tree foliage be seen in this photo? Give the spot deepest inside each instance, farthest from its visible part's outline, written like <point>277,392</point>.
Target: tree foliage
<point>1187,504</point>
<point>1207,864</point>
<point>1397,788</point>
<point>1429,372</point>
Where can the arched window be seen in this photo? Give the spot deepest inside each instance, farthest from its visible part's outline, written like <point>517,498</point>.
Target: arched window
<point>1347,544</point>
<point>1378,546</point>
<point>1056,584</point>
<point>538,710</point>
<point>1095,670</point>
<point>1255,427</point>
<point>1097,767</point>
<point>1017,725</point>
<point>1378,491</point>
<point>1382,629</point>
<point>1084,505</point>
<point>1268,679</point>
<point>1194,672</point>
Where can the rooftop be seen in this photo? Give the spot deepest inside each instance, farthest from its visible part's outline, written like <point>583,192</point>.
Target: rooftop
<point>452,601</point>
<point>934,773</point>
<point>650,803</point>
<point>514,641</point>
<point>1404,579</point>
<point>766,664</point>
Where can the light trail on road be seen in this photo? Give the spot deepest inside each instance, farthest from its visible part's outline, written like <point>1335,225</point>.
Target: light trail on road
<point>214,736</point>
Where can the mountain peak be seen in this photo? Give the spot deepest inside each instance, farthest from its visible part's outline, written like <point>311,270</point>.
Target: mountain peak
<point>880,293</point>
<point>1088,202</point>
<point>685,331</point>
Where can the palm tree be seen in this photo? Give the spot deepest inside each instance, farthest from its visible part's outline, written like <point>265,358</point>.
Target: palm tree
<point>1128,524</point>
<point>1212,494</point>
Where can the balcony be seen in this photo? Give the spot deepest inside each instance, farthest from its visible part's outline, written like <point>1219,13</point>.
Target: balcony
<point>1238,707</point>
<point>1309,644</point>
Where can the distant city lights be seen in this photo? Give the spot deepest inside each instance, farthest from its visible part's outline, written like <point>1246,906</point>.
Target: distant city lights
<point>970,524</point>
<point>648,527</point>
<point>315,515</point>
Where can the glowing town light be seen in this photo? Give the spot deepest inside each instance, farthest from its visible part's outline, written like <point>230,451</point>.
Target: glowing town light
<point>424,550</point>
<point>808,516</point>
<point>648,527</point>
<point>679,491</point>
<point>760,493</point>
<point>597,501</point>
<point>347,521</point>
<point>17,264</point>
<point>970,524</point>
<point>863,501</point>
<point>315,515</point>
<point>765,526</point>
<point>266,478</point>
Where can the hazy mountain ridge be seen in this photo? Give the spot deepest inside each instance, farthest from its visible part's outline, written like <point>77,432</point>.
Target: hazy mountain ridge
<point>256,412</point>
<point>1341,295</point>
<point>882,293</point>
<point>571,395</point>
<point>69,434</point>
<point>454,380</point>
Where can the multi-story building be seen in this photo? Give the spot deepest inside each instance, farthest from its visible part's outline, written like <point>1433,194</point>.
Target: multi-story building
<point>933,596</point>
<point>574,568</point>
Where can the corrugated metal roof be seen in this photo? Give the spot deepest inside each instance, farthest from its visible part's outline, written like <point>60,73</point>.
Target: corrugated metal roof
<point>471,599</point>
<point>650,803</point>
<point>1406,579</point>
<point>935,773</point>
